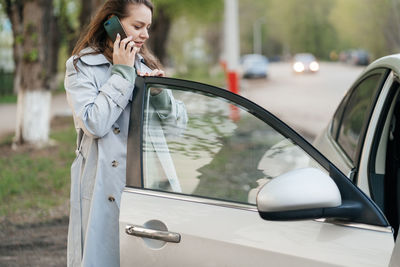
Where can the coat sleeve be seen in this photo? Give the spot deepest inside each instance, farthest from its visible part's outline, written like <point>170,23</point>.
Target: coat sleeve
<point>95,108</point>
<point>171,112</point>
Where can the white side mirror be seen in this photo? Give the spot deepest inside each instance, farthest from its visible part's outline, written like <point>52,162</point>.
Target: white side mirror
<point>303,189</point>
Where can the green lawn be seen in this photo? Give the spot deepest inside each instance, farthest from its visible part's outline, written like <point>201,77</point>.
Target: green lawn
<point>34,181</point>
<point>5,99</point>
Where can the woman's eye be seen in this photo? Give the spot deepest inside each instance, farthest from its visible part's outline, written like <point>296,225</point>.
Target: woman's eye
<point>136,27</point>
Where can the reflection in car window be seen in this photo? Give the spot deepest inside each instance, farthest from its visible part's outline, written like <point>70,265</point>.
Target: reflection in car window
<point>356,114</point>
<point>223,151</point>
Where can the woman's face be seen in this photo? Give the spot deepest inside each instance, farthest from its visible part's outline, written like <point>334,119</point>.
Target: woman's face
<point>137,24</point>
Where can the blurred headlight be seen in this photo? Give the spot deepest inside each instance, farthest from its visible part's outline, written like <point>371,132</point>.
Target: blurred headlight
<point>314,66</point>
<point>298,67</point>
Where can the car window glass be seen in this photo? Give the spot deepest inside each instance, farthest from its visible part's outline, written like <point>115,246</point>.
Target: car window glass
<point>204,145</point>
<point>336,119</point>
<point>356,115</point>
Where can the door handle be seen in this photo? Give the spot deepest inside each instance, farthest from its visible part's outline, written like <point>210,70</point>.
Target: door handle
<point>153,234</point>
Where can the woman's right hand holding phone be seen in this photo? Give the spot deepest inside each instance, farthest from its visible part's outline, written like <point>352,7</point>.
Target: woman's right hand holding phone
<point>124,51</point>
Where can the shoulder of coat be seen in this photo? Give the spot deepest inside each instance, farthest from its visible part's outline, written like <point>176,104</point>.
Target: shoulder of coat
<point>93,59</point>
<point>140,62</point>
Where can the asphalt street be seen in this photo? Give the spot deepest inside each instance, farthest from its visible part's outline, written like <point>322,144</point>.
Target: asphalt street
<point>306,102</point>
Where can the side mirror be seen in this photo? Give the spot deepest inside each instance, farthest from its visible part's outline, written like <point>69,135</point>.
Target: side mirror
<point>305,193</point>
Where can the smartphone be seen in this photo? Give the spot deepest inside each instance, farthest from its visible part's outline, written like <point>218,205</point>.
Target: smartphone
<point>113,26</point>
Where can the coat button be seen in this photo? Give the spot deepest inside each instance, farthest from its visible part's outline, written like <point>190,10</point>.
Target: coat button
<point>114,163</point>
<point>111,199</point>
<point>117,130</point>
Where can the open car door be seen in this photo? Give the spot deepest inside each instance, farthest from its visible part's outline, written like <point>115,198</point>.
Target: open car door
<point>215,180</point>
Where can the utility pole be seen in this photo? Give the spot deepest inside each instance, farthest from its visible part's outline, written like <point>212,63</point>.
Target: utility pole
<point>257,36</point>
<point>232,49</point>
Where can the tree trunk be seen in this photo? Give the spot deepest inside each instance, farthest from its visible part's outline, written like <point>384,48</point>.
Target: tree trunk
<point>14,13</point>
<point>159,34</point>
<point>88,10</point>
<point>35,53</point>
<point>51,42</point>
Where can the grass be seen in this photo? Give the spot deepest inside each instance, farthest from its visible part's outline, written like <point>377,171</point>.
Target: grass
<point>34,181</point>
<point>6,99</point>
<point>12,98</point>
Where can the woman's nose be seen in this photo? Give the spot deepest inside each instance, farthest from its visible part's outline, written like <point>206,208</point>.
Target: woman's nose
<point>144,34</point>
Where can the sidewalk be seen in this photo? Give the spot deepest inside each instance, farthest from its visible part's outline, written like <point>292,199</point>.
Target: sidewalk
<point>59,107</point>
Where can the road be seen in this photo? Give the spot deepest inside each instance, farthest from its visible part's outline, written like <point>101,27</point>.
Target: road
<point>305,102</point>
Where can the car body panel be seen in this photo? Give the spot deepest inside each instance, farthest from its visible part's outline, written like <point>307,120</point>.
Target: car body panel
<point>326,145</point>
<point>214,235</point>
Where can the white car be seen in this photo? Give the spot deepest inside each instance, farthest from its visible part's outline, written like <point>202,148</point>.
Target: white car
<point>254,66</point>
<point>305,62</point>
<point>235,186</point>
<point>363,138</point>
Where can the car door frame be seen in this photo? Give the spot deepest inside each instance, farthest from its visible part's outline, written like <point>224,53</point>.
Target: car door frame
<point>335,129</point>
<point>370,212</point>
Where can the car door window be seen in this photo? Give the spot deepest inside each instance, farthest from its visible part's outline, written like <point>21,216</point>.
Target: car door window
<point>204,145</point>
<point>355,116</point>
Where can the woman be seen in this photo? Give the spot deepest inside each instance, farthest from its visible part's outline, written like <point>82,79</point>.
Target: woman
<point>99,82</point>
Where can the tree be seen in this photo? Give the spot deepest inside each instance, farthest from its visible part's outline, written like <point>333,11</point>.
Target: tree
<point>35,55</point>
<point>88,9</point>
<point>369,24</point>
<point>168,10</point>
<point>302,25</point>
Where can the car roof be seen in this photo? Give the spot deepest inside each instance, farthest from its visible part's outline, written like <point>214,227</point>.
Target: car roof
<point>304,56</point>
<point>391,61</point>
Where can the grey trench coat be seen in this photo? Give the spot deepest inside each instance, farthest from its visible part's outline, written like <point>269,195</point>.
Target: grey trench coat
<point>101,103</point>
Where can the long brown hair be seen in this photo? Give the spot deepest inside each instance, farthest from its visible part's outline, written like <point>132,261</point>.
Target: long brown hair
<point>95,36</point>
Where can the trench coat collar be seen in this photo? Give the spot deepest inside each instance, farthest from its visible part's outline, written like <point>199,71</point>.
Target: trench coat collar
<point>93,59</point>
<point>100,59</point>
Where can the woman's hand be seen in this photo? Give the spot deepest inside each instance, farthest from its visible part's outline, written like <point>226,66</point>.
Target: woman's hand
<point>155,72</point>
<point>124,51</point>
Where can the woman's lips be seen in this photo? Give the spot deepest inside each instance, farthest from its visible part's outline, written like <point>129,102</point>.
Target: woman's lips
<point>139,44</point>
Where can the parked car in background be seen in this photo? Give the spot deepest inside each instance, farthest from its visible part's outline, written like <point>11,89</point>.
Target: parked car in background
<point>355,57</point>
<point>359,57</point>
<point>363,137</point>
<point>235,186</point>
<point>305,62</point>
<point>254,66</point>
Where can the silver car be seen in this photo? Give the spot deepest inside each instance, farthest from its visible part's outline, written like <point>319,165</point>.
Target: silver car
<point>363,137</point>
<point>254,66</point>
